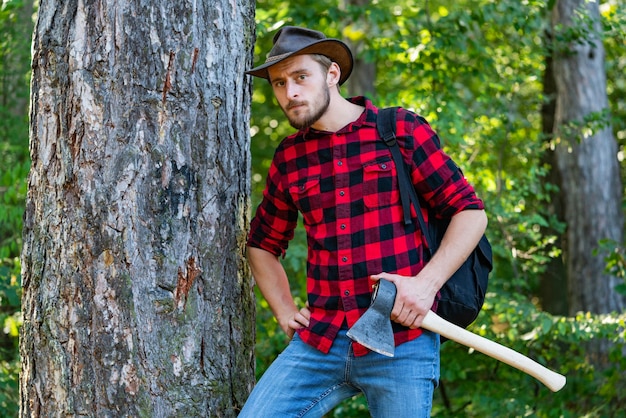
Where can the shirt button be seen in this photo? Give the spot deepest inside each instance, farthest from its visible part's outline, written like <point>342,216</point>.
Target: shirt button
<point>340,163</point>
<point>344,259</point>
<point>347,293</point>
<point>341,193</point>
<point>343,226</point>
<point>383,166</point>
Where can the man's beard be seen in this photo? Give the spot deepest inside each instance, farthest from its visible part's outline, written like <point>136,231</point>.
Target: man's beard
<point>307,121</point>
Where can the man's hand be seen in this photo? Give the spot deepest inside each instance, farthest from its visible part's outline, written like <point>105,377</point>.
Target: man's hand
<point>274,285</point>
<point>296,320</point>
<point>415,295</point>
<point>414,298</point>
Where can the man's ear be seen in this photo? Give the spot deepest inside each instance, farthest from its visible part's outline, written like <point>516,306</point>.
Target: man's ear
<point>333,75</point>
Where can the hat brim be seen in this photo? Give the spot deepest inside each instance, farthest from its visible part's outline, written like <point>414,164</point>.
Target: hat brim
<point>334,49</point>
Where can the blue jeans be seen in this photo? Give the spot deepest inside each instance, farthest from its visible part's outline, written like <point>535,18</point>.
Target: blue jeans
<point>303,381</point>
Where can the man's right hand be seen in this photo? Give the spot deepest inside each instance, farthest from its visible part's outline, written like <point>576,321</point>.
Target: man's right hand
<point>272,280</point>
<point>299,319</point>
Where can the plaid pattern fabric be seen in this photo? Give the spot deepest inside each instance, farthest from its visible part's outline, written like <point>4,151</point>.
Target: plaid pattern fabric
<point>345,186</point>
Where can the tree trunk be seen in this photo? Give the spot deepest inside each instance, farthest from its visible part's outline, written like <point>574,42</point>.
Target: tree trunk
<point>361,81</point>
<point>587,159</point>
<point>553,281</point>
<point>137,301</point>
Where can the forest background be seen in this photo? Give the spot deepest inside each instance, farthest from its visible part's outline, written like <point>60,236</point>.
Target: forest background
<point>478,71</point>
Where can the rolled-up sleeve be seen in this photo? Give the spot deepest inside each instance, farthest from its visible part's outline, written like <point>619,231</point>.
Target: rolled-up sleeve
<point>436,176</point>
<point>276,217</point>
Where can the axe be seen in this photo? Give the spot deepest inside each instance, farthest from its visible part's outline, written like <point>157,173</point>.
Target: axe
<point>373,330</point>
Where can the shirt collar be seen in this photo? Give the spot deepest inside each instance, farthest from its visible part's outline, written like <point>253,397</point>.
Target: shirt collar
<point>368,117</point>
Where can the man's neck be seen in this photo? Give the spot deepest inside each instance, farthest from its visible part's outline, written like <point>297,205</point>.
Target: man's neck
<point>340,113</point>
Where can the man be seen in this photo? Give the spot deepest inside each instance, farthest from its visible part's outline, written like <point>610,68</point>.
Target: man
<point>340,176</point>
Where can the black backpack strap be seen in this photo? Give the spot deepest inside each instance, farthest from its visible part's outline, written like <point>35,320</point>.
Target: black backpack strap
<point>386,126</point>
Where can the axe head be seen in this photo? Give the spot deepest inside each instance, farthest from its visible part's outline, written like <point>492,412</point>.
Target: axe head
<point>373,330</point>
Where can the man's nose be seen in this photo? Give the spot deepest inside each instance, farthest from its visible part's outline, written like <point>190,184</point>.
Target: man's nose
<point>292,90</point>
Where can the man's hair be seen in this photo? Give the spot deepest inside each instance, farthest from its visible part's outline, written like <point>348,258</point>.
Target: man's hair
<point>324,62</point>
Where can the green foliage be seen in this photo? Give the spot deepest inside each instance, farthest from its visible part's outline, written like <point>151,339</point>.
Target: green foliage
<point>9,395</point>
<point>614,21</point>
<point>476,385</point>
<point>614,36</point>
<point>615,262</point>
<point>16,28</point>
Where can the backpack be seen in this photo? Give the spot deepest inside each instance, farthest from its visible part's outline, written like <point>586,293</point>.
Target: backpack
<point>462,296</point>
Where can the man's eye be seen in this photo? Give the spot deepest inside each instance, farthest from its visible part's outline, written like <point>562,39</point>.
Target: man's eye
<point>279,83</point>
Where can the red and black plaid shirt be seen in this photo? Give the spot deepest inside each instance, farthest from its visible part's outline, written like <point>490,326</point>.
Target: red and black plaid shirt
<point>345,185</point>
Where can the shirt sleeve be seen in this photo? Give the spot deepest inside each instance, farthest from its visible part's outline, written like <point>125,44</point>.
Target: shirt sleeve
<point>276,217</point>
<point>436,177</point>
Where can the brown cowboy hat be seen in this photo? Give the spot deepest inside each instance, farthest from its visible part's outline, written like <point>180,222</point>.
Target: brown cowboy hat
<point>293,40</point>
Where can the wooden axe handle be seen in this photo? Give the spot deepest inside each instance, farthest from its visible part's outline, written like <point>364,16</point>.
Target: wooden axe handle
<point>437,324</point>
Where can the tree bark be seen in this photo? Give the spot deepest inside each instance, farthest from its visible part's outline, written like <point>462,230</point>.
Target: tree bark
<point>137,300</point>
<point>587,159</point>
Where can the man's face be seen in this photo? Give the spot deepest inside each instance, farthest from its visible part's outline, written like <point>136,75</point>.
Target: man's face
<point>301,88</point>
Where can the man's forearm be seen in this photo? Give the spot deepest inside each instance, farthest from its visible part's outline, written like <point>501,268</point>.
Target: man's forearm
<point>271,278</point>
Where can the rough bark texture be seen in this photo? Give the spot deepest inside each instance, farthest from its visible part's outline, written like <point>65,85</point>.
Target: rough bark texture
<point>587,163</point>
<point>137,301</point>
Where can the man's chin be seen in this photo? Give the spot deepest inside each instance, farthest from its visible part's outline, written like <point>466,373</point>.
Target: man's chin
<point>300,123</point>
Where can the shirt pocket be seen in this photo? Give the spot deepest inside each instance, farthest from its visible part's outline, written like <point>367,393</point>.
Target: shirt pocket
<point>306,195</point>
<point>380,183</point>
